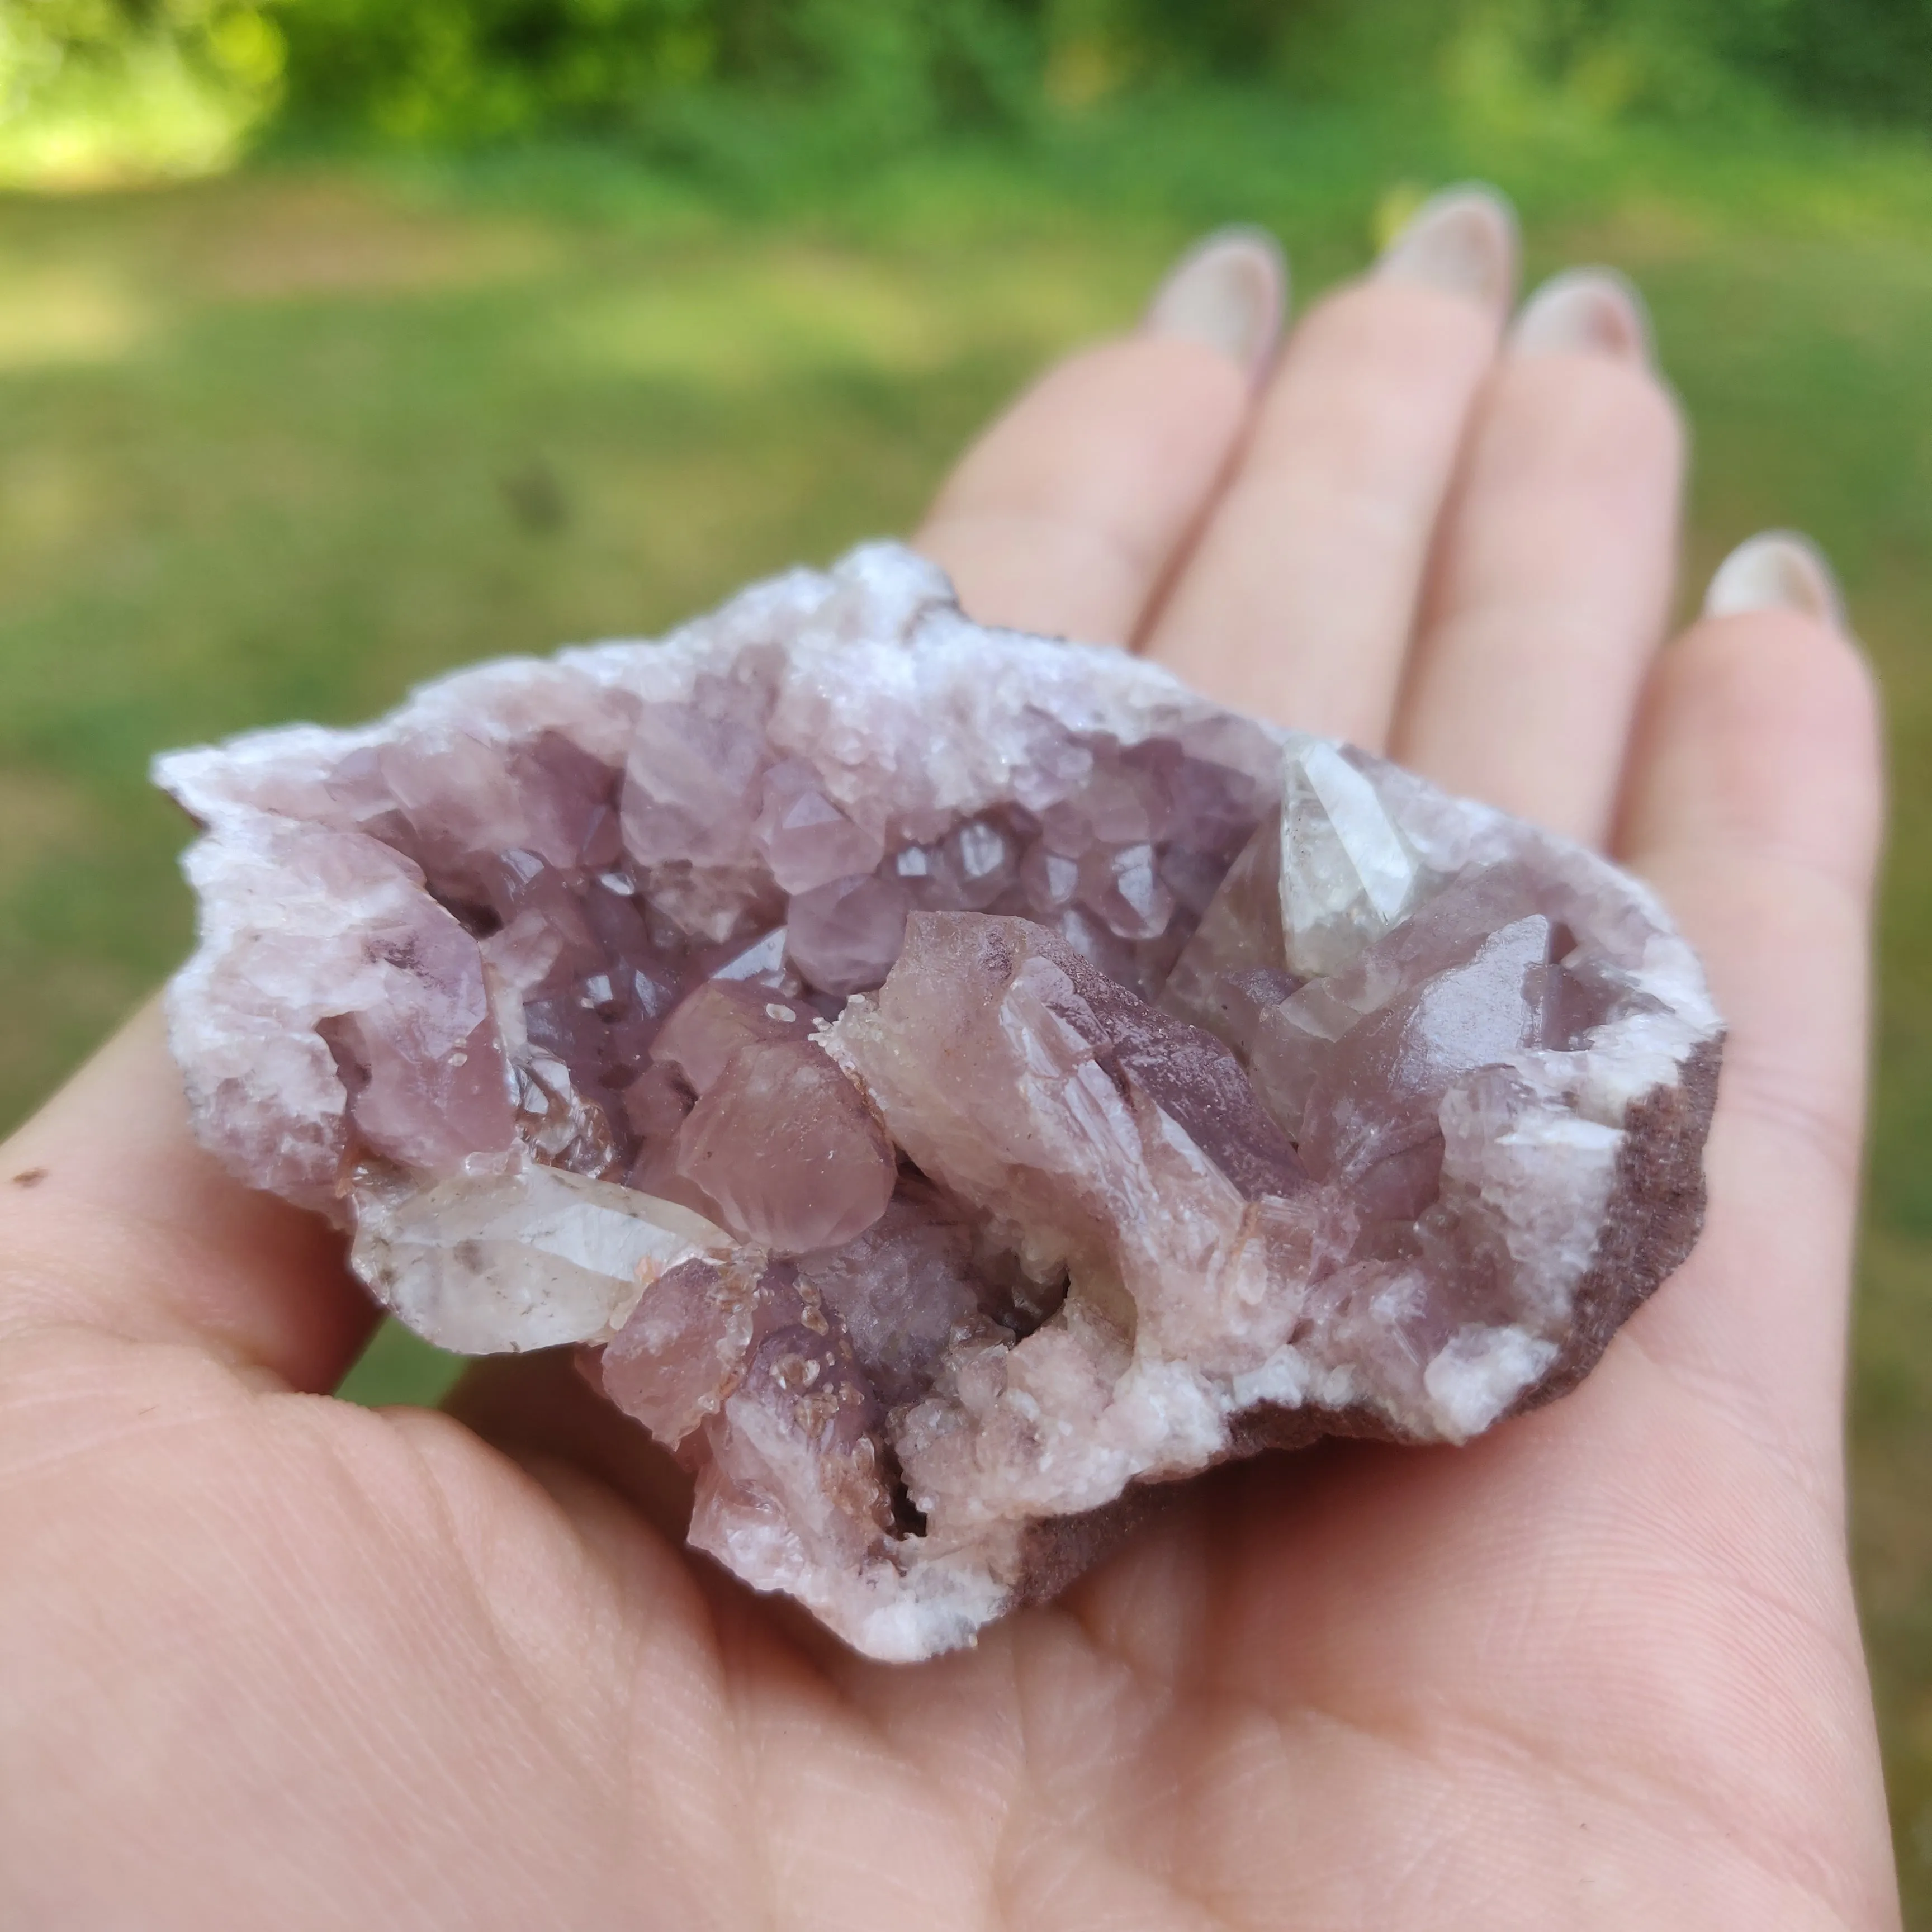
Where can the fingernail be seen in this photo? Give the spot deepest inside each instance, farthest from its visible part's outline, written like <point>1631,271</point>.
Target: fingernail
<point>1230,291</point>
<point>1463,241</point>
<point>1585,312</point>
<point>1778,570</point>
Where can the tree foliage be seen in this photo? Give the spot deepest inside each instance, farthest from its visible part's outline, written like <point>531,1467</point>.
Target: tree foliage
<point>880,74</point>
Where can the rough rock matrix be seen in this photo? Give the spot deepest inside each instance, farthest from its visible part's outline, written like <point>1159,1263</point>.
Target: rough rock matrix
<point>951,1079</point>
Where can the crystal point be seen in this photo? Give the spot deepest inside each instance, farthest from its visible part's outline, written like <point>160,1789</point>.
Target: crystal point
<point>1346,872</point>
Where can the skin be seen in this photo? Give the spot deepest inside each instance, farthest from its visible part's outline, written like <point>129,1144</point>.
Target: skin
<point>266,1658</point>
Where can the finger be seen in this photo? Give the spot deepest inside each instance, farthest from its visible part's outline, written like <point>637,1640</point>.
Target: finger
<point>538,1410</point>
<point>111,1217</point>
<point>1753,805</point>
<point>539,1406</point>
<point>1066,515</point>
<point>1297,601</point>
<point>1553,573</point>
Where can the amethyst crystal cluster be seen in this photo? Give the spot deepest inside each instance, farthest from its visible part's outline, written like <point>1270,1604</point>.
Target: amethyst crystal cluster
<point>952,1081</point>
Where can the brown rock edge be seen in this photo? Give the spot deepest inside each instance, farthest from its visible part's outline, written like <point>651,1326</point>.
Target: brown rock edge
<point>1655,1213</point>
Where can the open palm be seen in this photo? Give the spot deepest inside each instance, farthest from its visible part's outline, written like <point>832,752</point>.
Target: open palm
<point>267,1659</point>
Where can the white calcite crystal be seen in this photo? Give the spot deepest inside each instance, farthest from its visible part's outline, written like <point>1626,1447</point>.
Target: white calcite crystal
<point>954,1083</point>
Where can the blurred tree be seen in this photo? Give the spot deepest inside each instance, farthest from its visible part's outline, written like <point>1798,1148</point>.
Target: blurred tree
<point>435,69</point>
<point>1870,58</point>
<point>94,90</point>
<point>64,33</point>
<point>873,75</point>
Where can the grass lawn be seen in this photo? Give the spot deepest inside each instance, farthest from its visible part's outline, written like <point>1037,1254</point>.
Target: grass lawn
<point>280,446</point>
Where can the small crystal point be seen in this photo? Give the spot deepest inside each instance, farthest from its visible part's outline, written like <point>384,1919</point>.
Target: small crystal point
<point>698,1040</point>
<point>1376,1100</point>
<point>1346,873</point>
<point>781,1140</point>
<point>805,838</point>
<point>1240,935</point>
<point>843,936</point>
<point>682,1349</point>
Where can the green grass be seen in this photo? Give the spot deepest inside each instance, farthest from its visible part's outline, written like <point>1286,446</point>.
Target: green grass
<point>280,446</point>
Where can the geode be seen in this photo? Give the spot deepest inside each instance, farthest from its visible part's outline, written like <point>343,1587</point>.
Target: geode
<point>950,1082</point>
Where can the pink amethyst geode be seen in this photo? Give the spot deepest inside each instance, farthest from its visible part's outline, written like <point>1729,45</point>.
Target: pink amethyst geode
<point>953,1081</point>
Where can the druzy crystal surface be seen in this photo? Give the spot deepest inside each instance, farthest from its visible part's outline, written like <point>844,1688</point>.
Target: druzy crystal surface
<point>950,1083</point>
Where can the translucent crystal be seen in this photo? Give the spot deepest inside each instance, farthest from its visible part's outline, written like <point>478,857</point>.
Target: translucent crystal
<point>683,1350</point>
<point>806,840</point>
<point>843,937</point>
<point>698,1040</point>
<point>1346,873</point>
<point>516,1256</point>
<point>786,1150</point>
<point>950,1080</point>
<point>796,1470</point>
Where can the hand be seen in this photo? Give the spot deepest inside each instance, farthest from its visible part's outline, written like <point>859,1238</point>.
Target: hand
<point>267,1659</point>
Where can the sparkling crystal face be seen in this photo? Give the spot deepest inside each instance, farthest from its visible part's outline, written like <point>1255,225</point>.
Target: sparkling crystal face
<point>950,1078</point>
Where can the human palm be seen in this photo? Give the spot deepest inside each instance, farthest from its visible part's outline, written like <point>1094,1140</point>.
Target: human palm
<point>267,1658</point>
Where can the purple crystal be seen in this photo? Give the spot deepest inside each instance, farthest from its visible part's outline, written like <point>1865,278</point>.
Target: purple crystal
<point>683,1350</point>
<point>910,1282</point>
<point>718,1017</point>
<point>795,1454</point>
<point>949,1079</point>
<point>843,936</point>
<point>786,1150</point>
<point>806,840</point>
